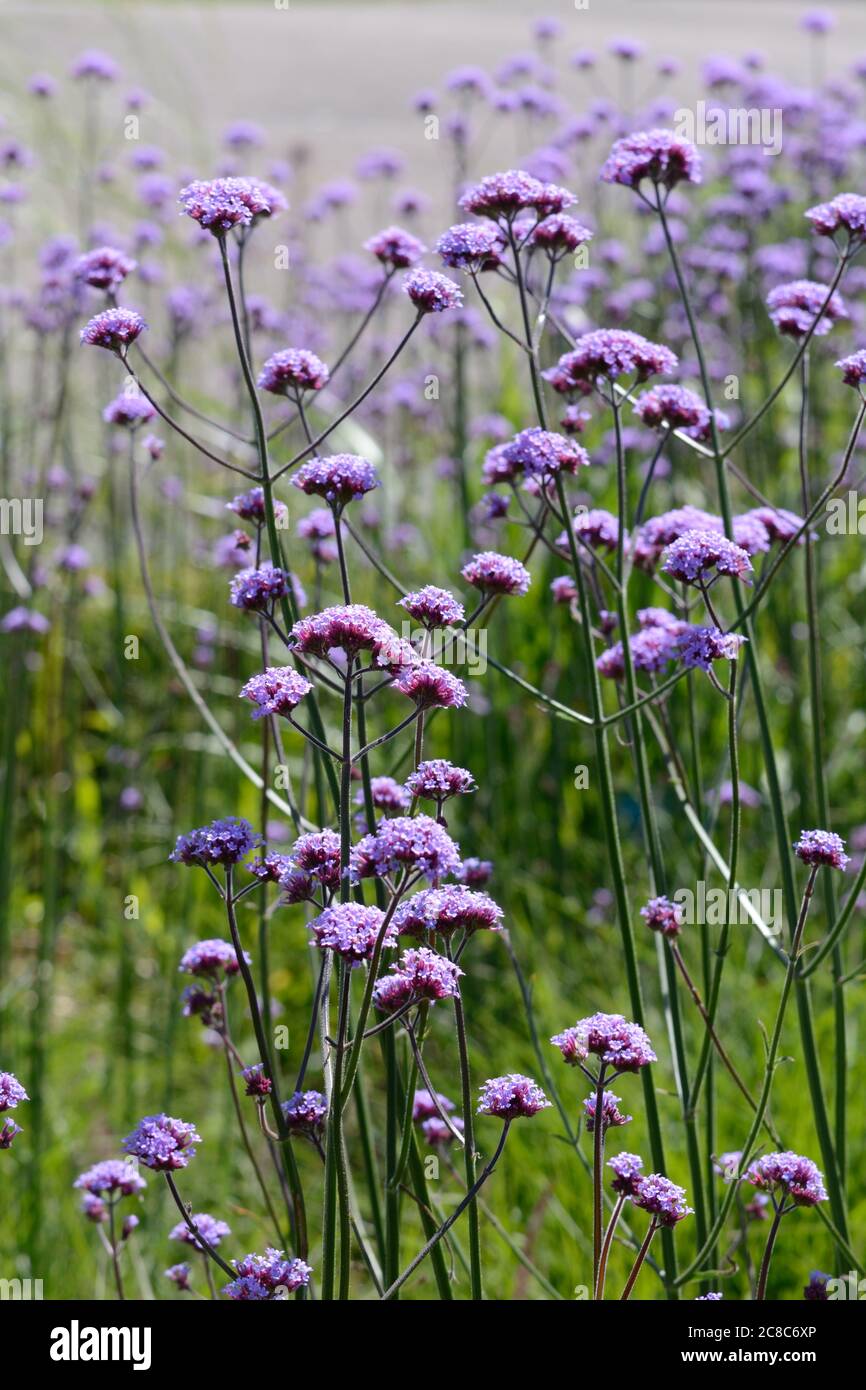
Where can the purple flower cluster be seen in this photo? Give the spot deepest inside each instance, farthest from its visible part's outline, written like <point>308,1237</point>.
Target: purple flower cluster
<point>104,268</point>
<point>447,910</point>
<point>511,1097</point>
<point>350,930</point>
<point>496,574</point>
<point>663,1199</point>
<point>278,690</point>
<point>611,1115</point>
<point>698,557</point>
<point>661,156</point>
<point>431,687</point>
<point>211,958</point>
<point>419,975</point>
<point>114,1175</point>
<point>270,1276</point>
<point>257,589</point>
<point>805,306</point>
<point>617,1043</point>
<point>293,370</point>
<point>209,1228</point>
<point>432,293</point>
<point>502,196</point>
<point>701,646</point>
<point>437,780</point>
<point>609,353</point>
<point>223,203</point>
<point>395,248</point>
<point>11,1092</point>
<point>113,329</point>
<point>471,246</point>
<point>627,1169</point>
<point>661,915</point>
<point>340,479</point>
<point>162,1143</point>
<point>789,1176</point>
<point>821,847</point>
<point>305,1113</point>
<point>225,842</point>
<point>433,607</point>
<point>414,844</point>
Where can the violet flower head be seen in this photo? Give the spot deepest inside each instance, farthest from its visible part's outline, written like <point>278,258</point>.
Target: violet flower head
<point>559,235</point>
<point>846,213</point>
<point>351,628</point>
<point>211,958</point>
<point>795,308</point>
<point>417,844</point>
<point>611,1115</point>
<point>821,847</point>
<point>538,453</point>
<point>395,248</point>
<point>502,196</point>
<point>664,1201</point>
<point>436,780</point>
<point>675,408</point>
<point>511,1097</point>
<point>128,410</point>
<point>278,690</point>
<point>622,1045</point>
<point>9,1130</point>
<point>113,329</point>
<point>318,855</point>
<point>419,975</point>
<point>708,1297</point>
<point>305,1113</point>
<point>226,841</point>
<point>496,574</point>
<point>423,1107</point>
<point>104,268</point>
<point>339,479</point>
<point>293,370</point>
<point>609,353</point>
<point>179,1276</point>
<point>433,607</point>
<point>386,794</point>
<point>788,1176</point>
<point>596,527</point>
<point>471,246</point>
<point>162,1143</point>
<point>627,1169</point>
<point>209,1227</point>
<point>661,156</point>
<point>256,1083</point>
<point>816,1289</point>
<point>350,930</point>
<point>95,64</point>
<point>454,907</point>
<point>701,646</point>
<point>698,557</point>
<point>437,1133</point>
<point>221,204</point>
<point>661,915</point>
<point>114,1175</point>
<point>257,589</point>
<point>11,1092</point>
<point>853,368</point>
<point>269,1276</point>
<point>431,687</point>
<point>432,293</point>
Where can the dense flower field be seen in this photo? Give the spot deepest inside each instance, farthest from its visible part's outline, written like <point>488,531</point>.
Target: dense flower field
<point>433,685</point>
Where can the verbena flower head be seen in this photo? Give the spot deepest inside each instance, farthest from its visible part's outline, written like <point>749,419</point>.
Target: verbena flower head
<point>433,607</point>
<point>432,293</point>
<point>661,915</point>
<point>350,931</point>
<point>211,958</point>
<point>472,246</point>
<point>496,574</point>
<point>350,628</point>
<point>676,408</point>
<point>113,1175</point>
<point>113,329</point>
<point>436,1132</point>
<point>130,409</point>
<point>664,1201</point>
<point>845,213</point>
<point>502,196</point>
<point>795,308</point>
<point>268,1276</point>
<point>224,203</point>
<point>209,1227</point>
<point>395,248</point>
<point>420,974</point>
<point>256,1083</point>
<point>162,1143</point>
<point>179,1276</point>
<point>9,1130</point>
<point>437,780</point>
<point>537,453</point>
<point>225,842</point>
<point>558,235</point>
<point>511,1097</point>
<point>614,1041</point>
<point>611,1115</point>
<point>104,268</point>
<point>660,531</point>
<point>431,687</point>
<point>11,1092</point>
<point>595,527</point>
<point>278,690</point>
<point>95,64</point>
<point>340,478</point>
<point>789,1176</point>
<point>609,353</point>
<point>257,589</point>
<point>699,556</point>
<point>386,795</point>
<point>853,368</point>
<point>293,370</point>
<point>627,1169</point>
<point>701,646</point>
<point>816,1289</point>
<point>446,910</point>
<point>305,1113</point>
<point>661,156</point>
<point>270,868</point>
<point>250,506</point>
<point>318,855</point>
<point>423,1107</point>
<point>821,847</point>
<point>417,844</point>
